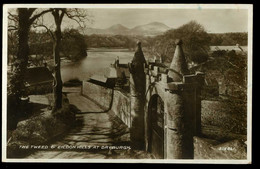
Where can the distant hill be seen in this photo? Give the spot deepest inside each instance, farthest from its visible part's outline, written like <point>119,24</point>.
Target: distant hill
<point>151,29</point>
<point>154,28</point>
<point>117,29</point>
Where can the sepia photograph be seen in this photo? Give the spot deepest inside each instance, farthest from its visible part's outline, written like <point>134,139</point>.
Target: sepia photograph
<point>127,83</point>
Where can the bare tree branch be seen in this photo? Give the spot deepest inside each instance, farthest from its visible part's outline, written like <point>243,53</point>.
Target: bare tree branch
<point>57,16</point>
<point>80,16</point>
<point>12,28</point>
<point>33,18</point>
<point>12,22</point>
<point>62,15</point>
<point>12,17</point>
<point>31,10</point>
<point>37,25</point>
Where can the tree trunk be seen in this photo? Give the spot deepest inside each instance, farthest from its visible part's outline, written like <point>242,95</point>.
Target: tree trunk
<point>23,35</point>
<point>17,79</point>
<point>57,88</point>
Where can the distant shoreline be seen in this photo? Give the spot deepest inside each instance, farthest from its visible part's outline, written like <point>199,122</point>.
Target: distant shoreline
<point>109,49</point>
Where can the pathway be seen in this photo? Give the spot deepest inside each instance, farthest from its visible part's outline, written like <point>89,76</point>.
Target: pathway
<point>96,135</point>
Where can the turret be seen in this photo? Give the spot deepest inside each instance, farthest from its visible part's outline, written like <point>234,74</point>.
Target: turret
<point>137,91</point>
<point>179,66</point>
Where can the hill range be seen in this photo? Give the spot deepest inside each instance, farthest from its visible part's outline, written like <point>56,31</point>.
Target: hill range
<point>150,29</point>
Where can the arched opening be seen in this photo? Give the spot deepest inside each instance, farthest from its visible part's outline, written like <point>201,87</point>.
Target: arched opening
<point>156,126</point>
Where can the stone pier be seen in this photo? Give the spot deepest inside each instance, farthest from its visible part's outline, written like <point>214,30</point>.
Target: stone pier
<point>137,92</point>
<point>180,93</point>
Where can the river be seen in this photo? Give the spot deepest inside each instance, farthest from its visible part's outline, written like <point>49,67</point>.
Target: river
<point>95,63</point>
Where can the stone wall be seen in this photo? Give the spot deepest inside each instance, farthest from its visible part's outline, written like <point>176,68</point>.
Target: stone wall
<point>103,96</point>
<point>97,93</point>
<point>121,107</point>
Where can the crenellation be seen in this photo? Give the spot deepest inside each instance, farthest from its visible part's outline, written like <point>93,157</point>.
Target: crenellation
<point>155,70</point>
<point>164,78</point>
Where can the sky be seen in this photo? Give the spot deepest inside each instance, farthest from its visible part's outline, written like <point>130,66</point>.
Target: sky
<point>214,20</point>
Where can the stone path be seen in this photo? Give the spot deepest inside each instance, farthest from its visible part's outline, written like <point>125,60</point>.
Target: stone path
<point>96,135</point>
<point>83,103</point>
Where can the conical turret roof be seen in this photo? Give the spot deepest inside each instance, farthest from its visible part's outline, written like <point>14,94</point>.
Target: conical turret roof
<point>179,65</point>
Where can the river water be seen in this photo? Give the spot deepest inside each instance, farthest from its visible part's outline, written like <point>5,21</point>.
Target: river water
<point>96,62</point>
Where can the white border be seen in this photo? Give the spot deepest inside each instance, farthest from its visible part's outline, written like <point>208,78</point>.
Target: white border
<point>129,6</point>
<point>134,6</point>
<point>250,83</point>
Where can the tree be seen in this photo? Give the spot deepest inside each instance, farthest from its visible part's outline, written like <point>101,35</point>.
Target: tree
<point>23,20</point>
<point>195,43</point>
<point>40,46</point>
<point>19,23</point>
<point>228,39</point>
<point>22,23</point>
<point>58,15</point>
<point>12,46</point>
<point>216,39</point>
<point>74,45</point>
<point>78,15</point>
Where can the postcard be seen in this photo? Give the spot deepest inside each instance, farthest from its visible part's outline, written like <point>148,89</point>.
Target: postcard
<point>127,83</point>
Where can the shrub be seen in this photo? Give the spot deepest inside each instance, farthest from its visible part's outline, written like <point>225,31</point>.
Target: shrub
<point>219,53</point>
<point>41,129</point>
<point>65,115</point>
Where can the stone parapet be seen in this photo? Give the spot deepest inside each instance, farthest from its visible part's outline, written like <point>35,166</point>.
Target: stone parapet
<point>99,94</point>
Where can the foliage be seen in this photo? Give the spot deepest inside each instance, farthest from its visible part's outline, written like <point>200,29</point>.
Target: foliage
<point>40,44</point>
<point>219,53</point>
<point>40,129</point>
<point>73,45</point>
<point>12,45</point>
<point>228,39</point>
<point>195,43</point>
<point>231,70</point>
<point>113,41</point>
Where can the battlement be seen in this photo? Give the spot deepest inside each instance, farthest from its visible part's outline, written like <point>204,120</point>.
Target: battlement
<point>158,73</point>
<point>166,100</point>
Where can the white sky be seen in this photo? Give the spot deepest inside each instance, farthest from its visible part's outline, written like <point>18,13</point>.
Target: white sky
<point>214,20</point>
